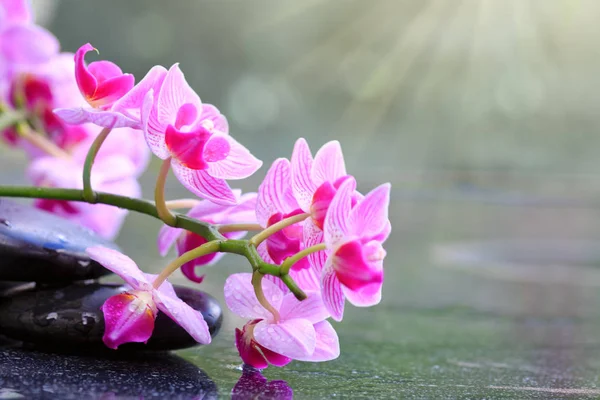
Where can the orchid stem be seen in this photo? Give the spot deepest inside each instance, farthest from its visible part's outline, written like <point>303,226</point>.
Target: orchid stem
<point>25,132</point>
<point>238,227</point>
<point>290,261</point>
<point>260,295</point>
<point>284,223</point>
<point>159,195</point>
<point>181,203</point>
<point>88,193</point>
<point>10,118</point>
<point>206,248</point>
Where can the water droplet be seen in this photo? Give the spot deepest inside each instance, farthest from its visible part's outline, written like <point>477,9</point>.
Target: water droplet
<point>61,238</point>
<point>270,330</point>
<point>5,222</point>
<point>52,316</point>
<point>84,263</point>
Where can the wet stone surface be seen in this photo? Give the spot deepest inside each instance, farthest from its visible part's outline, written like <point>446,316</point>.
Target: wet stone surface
<point>70,317</point>
<point>38,246</point>
<point>28,374</point>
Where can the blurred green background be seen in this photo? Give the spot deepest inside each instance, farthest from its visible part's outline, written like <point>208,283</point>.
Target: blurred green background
<point>483,116</point>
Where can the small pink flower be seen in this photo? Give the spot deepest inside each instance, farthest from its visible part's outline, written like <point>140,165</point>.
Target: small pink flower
<point>129,316</point>
<point>195,136</point>
<point>114,101</point>
<point>212,213</point>
<point>301,333</point>
<point>276,202</point>
<point>354,237</point>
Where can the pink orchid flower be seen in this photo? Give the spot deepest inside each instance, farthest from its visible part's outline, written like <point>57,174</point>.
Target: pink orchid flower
<point>212,213</point>
<point>354,237</point>
<point>276,202</point>
<point>129,316</point>
<point>115,101</point>
<point>314,183</point>
<point>301,333</point>
<point>195,137</point>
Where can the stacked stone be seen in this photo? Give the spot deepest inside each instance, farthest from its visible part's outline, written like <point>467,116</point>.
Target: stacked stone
<point>49,290</point>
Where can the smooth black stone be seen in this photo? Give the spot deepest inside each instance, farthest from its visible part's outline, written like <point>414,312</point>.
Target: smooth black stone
<point>38,375</point>
<point>41,247</point>
<point>70,317</point>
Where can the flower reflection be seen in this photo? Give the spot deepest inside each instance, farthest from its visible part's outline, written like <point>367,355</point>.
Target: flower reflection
<point>253,385</point>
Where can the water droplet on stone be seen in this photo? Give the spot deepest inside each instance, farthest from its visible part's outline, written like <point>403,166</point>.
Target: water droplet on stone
<point>52,316</point>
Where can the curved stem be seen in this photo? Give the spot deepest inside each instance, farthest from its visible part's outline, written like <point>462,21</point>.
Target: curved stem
<point>88,193</point>
<point>181,203</point>
<point>159,194</point>
<point>287,264</point>
<point>260,237</point>
<point>206,248</point>
<point>260,295</point>
<point>238,227</point>
<point>9,117</point>
<point>26,133</point>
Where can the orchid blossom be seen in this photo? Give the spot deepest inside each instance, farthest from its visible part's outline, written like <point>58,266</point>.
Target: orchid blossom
<point>211,213</point>
<point>300,332</point>
<point>194,136</point>
<point>129,316</point>
<point>354,237</point>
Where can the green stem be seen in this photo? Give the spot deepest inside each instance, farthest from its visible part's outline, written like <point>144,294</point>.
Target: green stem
<point>284,223</point>
<point>88,193</point>
<point>159,194</point>
<point>9,118</point>
<point>238,227</point>
<point>287,264</point>
<point>207,231</point>
<point>260,295</point>
<point>206,248</point>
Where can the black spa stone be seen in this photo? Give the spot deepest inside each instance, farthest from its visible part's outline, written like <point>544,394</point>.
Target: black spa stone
<point>70,317</point>
<point>28,374</point>
<point>38,246</point>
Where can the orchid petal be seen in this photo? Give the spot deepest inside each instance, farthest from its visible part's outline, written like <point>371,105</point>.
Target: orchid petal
<point>28,44</point>
<point>166,238</point>
<point>242,301</point>
<point>247,348</point>
<point>302,183</point>
<point>312,236</point>
<point>327,345</point>
<point>131,103</point>
<point>127,318</point>
<point>17,11</point>
<point>333,296</point>
<point>336,220</point>
<point>292,338</point>
<point>174,93</point>
<point>212,113</point>
<point>238,164</point>
<point>120,264</point>
<point>329,163</point>
<point>370,216</point>
<point>153,133</point>
<point>185,316</point>
<point>311,308</point>
<point>203,185</point>
<point>366,296</point>
<point>271,191</point>
<point>307,278</point>
<point>106,119</point>
<point>357,264</point>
